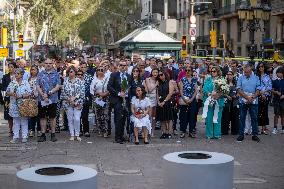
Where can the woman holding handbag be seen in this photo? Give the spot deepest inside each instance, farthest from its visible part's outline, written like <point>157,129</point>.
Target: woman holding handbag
<point>73,95</point>
<point>187,102</point>
<point>18,90</point>
<point>100,94</point>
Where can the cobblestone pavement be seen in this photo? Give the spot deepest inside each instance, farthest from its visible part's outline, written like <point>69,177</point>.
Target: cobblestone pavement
<point>257,165</point>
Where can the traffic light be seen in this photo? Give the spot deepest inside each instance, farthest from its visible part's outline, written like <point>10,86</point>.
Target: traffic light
<point>213,39</point>
<point>21,40</point>
<point>183,43</point>
<point>4,37</point>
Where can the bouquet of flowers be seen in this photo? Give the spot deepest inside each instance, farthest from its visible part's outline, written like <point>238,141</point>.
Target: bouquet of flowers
<point>124,88</point>
<point>221,86</point>
<point>139,111</point>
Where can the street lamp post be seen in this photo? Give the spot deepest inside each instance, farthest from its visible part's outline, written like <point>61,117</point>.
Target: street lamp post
<point>252,13</point>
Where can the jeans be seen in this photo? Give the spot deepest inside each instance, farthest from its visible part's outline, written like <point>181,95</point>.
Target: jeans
<point>20,123</point>
<point>187,116</point>
<point>74,116</point>
<point>253,112</point>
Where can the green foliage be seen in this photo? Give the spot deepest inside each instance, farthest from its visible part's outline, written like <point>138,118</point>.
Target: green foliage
<point>83,18</point>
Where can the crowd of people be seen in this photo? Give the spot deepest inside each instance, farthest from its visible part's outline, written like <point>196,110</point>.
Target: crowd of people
<point>145,96</point>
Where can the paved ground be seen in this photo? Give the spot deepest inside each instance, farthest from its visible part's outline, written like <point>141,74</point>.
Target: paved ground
<point>257,165</point>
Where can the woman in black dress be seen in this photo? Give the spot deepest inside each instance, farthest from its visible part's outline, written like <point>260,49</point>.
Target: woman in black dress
<point>7,78</point>
<point>165,106</point>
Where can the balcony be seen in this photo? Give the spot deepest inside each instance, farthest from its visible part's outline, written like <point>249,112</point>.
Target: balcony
<point>201,9</point>
<point>183,14</point>
<point>228,10</point>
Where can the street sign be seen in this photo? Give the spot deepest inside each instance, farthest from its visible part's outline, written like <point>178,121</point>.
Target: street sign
<point>183,53</point>
<point>4,52</point>
<point>192,32</point>
<point>193,25</point>
<point>192,19</point>
<point>192,38</point>
<point>20,53</point>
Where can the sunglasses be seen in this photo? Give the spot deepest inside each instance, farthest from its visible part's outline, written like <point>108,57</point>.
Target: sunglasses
<point>214,71</point>
<point>188,70</point>
<point>100,70</point>
<point>122,65</point>
<point>71,71</point>
<point>79,74</point>
<point>135,70</point>
<point>161,74</point>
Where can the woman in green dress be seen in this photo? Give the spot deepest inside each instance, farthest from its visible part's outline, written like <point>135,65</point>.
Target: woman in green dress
<point>213,128</point>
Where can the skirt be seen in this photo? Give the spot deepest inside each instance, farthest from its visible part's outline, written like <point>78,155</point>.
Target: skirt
<point>143,122</point>
<point>153,99</point>
<point>165,113</point>
<point>6,108</point>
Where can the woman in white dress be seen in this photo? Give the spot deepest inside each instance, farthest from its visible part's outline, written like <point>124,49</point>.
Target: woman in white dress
<point>140,106</point>
<point>151,84</point>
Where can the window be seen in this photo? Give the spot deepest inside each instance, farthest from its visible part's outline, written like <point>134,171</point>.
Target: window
<point>202,27</point>
<point>218,27</point>
<point>227,3</point>
<point>184,6</point>
<point>282,34</point>
<point>228,29</point>
<point>184,26</point>
<point>267,29</point>
<point>239,51</point>
<point>239,33</point>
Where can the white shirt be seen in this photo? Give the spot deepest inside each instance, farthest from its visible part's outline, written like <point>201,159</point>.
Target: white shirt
<point>1,76</point>
<point>98,86</point>
<point>143,104</point>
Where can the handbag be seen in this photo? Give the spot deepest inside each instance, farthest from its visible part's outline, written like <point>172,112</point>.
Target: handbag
<point>28,107</point>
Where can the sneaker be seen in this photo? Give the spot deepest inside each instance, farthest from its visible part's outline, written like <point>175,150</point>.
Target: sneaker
<point>13,141</point>
<point>240,138</point>
<point>105,135</point>
<point>274,131</point>
<point>42,138</point>
<point>24,140</point>
<point>31,133</point>
<point>169,136</point>
<point>182,135</point>
<point>255,138</point>
<point>78,139</point>
<point>52,137</point>
<point>191,135</point>
<point>71,138</point>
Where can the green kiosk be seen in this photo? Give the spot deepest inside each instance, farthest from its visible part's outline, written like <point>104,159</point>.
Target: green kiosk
<point>147,42</point>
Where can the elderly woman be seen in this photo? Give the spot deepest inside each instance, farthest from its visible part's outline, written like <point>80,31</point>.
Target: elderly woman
<point>140,106</point>
<point>73,95</point>
<point>213,130</point>
<point>18,89</point>
<point>100,93</point>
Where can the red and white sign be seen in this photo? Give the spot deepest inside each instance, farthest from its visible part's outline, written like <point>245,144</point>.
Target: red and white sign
<point>192,32</point>
<point>192,19</point>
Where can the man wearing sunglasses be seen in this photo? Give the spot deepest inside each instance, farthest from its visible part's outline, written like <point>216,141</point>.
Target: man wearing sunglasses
<point>117,99</point>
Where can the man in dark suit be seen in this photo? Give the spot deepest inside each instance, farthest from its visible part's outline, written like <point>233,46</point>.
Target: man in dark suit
<point>116,99</point>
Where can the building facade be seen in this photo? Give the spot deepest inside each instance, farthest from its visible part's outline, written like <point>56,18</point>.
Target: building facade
<point>222,16</point>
